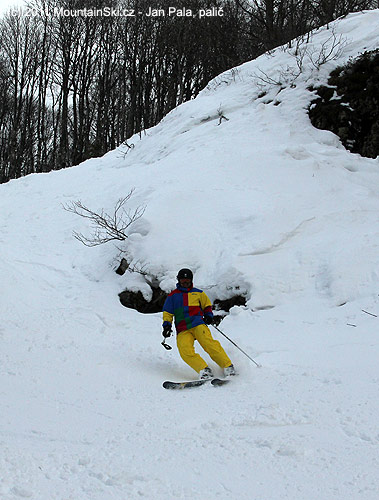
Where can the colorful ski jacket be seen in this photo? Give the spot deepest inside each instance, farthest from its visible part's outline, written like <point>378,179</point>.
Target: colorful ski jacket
<point>188,306</point>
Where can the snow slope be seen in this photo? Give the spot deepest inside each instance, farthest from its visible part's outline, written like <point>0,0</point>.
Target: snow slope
<point>261,203</point>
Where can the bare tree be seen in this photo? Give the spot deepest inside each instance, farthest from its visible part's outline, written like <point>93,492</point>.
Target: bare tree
<point>74,87</point>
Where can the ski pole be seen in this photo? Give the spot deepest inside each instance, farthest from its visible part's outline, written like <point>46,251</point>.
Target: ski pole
<point>230,340</point>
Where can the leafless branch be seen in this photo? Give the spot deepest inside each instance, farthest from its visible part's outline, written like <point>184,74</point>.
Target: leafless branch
<point>106,227</point>
<point>371,314</point>
<point>265,78</point>
<point>304,54</point>
<point>331,49</point>
<point>127,147</point>
<point>221,116</point>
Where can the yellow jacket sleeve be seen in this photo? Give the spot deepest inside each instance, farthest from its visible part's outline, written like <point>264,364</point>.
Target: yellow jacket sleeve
<point>167,317</point>
<point>205,303</point>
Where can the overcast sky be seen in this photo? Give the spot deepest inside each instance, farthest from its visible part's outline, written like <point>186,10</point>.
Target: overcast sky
<point>5,4</point>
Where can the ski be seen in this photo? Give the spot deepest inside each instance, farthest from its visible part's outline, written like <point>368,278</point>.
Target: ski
<point>194,383</point>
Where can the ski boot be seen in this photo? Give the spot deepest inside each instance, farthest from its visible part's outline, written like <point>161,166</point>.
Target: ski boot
<point>206,373</point>
<point>229,371</point>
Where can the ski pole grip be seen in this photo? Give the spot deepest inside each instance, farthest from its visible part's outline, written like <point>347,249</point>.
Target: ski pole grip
<point>166,346</point>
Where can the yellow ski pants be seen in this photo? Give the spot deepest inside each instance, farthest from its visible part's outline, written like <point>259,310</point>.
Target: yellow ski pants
<point>185,342</point>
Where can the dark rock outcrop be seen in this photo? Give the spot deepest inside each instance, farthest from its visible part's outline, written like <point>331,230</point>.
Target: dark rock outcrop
<point>349,105</point>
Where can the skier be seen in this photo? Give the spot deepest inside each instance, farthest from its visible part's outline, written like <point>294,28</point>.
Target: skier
<point>192,310</point>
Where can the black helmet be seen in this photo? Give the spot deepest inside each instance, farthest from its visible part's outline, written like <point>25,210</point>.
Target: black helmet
<point>185,273</point>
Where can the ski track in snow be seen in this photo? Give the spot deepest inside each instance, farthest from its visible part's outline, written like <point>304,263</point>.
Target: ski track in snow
<point>272,206</point>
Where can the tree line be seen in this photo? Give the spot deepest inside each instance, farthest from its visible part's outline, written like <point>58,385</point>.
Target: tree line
<point>73,86</point>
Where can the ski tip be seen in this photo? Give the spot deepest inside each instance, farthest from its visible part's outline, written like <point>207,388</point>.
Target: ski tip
<point>167,384</point>
<point>220,381</point>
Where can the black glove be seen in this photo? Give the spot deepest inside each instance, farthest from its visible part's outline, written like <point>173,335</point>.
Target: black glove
<point>208,320</point>
<point>167,331</point>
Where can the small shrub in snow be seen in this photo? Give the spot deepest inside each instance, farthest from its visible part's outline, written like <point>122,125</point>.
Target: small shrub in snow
<point>106,227</point>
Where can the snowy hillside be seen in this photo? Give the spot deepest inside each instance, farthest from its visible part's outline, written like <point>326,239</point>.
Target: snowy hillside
<point>258,202</point>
